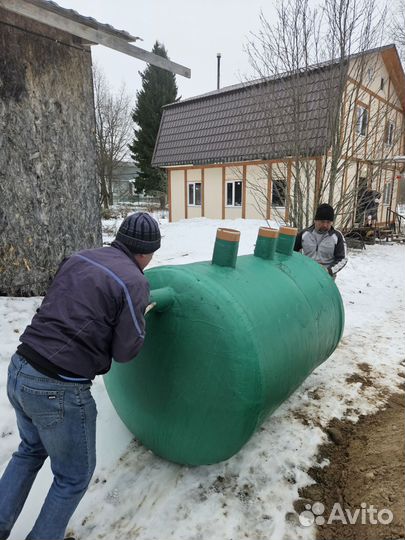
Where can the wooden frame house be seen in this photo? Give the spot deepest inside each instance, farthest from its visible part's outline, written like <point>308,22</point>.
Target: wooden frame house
<point>274,148</point>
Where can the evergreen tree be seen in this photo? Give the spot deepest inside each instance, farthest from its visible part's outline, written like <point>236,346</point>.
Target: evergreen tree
<point>158,88</point>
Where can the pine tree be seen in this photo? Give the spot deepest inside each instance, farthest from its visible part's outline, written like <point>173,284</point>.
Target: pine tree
<point>158,88</point>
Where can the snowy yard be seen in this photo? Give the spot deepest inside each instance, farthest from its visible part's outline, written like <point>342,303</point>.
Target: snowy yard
<point>136,495</point>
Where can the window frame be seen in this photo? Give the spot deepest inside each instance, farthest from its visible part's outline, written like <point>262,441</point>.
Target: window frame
<point>389,133</point>
<point>387,193</point>
<point>193,204</point>
<point>358,124</point>
<point>233,183</point>
<point>273,183</point>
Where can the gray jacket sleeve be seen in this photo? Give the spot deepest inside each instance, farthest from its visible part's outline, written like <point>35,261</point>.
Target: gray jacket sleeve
<point>340,255</point>
<point>129,332</point>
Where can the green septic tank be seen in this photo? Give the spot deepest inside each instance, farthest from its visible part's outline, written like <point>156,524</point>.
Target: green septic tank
<point>227,342</point>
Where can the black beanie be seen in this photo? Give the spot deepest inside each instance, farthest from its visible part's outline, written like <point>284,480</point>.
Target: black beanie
<point>325,212</point>
<point>140,233</point>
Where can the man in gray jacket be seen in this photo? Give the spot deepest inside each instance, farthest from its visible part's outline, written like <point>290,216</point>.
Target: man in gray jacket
<point>322,242</point>
<point>93,312</point>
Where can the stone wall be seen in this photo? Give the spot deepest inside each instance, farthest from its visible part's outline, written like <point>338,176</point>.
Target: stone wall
<point>49,200</point>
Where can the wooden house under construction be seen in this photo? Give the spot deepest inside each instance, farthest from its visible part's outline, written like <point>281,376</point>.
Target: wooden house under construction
<point>274,148</point>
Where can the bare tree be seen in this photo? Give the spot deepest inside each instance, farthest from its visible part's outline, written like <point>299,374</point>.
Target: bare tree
<point>397,25</point>
<point>113,131</point>
<point>332,41</point>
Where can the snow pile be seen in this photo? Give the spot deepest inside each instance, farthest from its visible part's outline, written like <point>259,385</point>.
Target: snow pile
<point>134,494</point>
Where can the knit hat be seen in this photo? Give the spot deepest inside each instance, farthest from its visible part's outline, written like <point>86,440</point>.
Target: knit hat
<point>325,212</point>
<point>140,233</point>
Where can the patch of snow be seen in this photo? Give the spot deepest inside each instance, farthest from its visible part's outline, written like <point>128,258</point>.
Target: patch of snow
<point>135,494</point>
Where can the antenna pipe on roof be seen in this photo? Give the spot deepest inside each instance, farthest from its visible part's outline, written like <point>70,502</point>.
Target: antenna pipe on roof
<point>218,69</point>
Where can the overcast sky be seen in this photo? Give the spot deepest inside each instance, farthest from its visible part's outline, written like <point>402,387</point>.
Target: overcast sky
<point>193,31</point>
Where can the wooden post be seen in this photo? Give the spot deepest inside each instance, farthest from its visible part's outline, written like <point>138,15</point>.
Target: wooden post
<point>169,193</point>
<point>223,192</point>
<point>185,195</point>
<point>269,190</point>
<point>202,192</point>
<point>244,192</point>
<point>287,206</point>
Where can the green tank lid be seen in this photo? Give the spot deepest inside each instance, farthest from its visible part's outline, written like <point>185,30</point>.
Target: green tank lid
<point>266,243</point>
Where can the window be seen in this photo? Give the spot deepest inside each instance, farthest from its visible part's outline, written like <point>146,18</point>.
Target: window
<point>389,133</point>
<point>194,194</point>
<point>278,192</point>
<point>362,120</point>
<point>234,193</point>
<point>387,193</point>
<point>382,83</point>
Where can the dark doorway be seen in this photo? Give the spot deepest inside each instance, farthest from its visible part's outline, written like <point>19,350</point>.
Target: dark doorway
<point>361,202</point>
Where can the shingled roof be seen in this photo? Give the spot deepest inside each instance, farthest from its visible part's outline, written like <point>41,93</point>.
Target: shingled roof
<point>264,119</point>
<point>257,120</point>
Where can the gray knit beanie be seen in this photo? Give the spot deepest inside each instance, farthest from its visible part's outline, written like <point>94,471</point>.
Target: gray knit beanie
<point>140,233</point>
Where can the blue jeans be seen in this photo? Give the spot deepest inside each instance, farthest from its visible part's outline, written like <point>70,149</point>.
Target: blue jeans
<point>55,419</point>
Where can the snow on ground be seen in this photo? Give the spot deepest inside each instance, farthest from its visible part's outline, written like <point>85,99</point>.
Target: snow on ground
<point>135,494</point>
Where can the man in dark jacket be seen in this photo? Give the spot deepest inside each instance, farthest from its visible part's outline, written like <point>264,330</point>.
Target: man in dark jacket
<point>92,312</point>
<point>322,242</point>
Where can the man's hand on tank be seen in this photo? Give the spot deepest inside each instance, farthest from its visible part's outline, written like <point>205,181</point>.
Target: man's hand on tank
<point>149,307</point>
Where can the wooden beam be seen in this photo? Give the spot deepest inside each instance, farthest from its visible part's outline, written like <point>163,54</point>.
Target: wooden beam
<point>185,195</point>
<point>244,192</point>
<point>169,193</point>
<point>376,96</point>
<point>396,73</point>
<point>91,34</point>
<point>202,192</point>
<point>318,172</point>
<point>368,127</point>
<point>344,185</point>
<point>377,124</point>
<point>223,192</point>
<point>287,206</point>
<point>269,190</point>
<point>232,163</point>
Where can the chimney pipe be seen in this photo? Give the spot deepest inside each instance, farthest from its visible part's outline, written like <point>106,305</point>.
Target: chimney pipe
<point>218,69</point>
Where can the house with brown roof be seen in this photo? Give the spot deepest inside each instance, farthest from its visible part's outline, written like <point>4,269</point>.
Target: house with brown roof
<point>274,148</point>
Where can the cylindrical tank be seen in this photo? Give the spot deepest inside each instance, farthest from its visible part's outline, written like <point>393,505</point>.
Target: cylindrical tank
<point>226,344</point>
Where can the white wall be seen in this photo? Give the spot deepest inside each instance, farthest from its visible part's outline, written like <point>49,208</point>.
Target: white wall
<point>177,195</point>
<point>213,192</point>
<point>256,191</point>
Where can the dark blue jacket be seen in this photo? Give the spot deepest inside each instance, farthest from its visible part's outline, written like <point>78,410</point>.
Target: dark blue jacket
<point>93,311</point>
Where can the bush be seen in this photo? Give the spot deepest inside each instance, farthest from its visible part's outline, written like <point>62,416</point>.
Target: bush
<point>106,213</point>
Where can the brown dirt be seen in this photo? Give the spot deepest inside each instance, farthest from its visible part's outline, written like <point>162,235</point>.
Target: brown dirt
<point>366,466</point>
